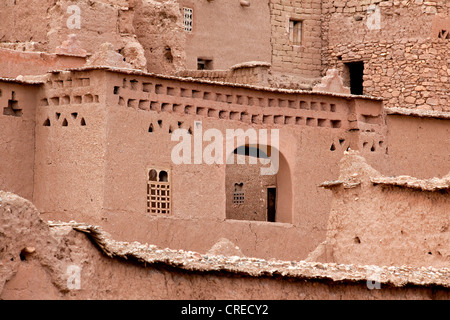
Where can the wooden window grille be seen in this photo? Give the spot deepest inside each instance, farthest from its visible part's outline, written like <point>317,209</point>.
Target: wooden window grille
<point>158,192</point>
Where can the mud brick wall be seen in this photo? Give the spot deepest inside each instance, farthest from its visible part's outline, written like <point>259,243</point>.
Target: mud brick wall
<point>53,261</point>
<point>246,75</point>
<point>147,33</point>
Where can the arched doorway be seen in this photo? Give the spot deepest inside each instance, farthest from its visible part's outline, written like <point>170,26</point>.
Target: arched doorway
<point>253,196</point>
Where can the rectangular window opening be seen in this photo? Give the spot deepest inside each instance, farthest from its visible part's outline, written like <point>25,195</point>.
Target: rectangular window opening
<point>271,204</point>
<point>204,64</point>
<point>295,31</point>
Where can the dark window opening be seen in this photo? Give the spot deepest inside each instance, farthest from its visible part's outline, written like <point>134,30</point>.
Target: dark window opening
<point>354,74</point>
<point>168,54</point>
<point>333,147</point>
<point>204,64</point>
<point>163,176</point>
<point>251,152</point>
<point>271,204</point>
<point>13,107</point>
<point>444,34</point>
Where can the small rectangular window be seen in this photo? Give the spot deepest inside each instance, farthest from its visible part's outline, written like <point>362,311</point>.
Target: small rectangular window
<point>204,64</point>
<point>187,19</point>
<point>295,32</point>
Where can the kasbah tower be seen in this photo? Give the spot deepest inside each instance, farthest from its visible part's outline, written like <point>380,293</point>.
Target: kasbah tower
<point>224,149</point>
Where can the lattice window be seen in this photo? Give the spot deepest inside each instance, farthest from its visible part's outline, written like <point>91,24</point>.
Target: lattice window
<point>238,197</point>
<point>188,19</point>
<point>158,192</point>
<point>238,193</point>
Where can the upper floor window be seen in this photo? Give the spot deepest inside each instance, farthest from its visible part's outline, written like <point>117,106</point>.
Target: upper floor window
<point>204,64</point>
<point>158,191</point>
<point>295,31</point>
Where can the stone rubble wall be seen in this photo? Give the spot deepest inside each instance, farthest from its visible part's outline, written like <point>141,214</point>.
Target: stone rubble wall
<point>351,6</point>
<point>405,60</point>
<point>408,75</point>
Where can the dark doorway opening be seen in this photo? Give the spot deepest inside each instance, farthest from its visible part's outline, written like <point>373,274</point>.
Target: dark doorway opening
<point>271,204</point>
<point>355,71</point>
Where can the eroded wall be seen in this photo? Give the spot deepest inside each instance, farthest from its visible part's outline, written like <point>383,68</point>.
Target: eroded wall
<point>159,29</point>
<point>387,220</point>
<point>42,261</point>
<point>15,63</point>
<point>140,30</point>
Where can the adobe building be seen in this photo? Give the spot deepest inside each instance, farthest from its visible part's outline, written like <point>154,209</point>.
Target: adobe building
<point>92,117</point>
